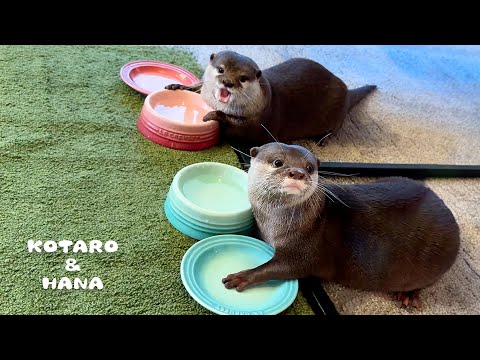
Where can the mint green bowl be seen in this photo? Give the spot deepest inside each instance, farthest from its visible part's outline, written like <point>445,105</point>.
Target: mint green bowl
<point>212,193</point>
<point>222,229</point>
<point>206,262</point>
<point>196,231</point>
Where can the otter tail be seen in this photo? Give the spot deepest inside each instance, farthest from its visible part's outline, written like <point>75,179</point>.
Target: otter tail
<point>355,95</point>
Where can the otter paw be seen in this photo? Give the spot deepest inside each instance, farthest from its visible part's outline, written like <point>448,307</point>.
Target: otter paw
<point>177,87</point>
<point>239,280</point>
<point>409,299</point>
<point>214,115</point>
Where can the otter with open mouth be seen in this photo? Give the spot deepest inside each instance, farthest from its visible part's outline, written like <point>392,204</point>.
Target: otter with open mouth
<point>297,99</point>
<point>392,235</point>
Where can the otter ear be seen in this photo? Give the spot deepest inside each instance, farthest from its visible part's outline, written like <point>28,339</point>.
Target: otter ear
<point>318,163</point>
<point>259,73</point>
<point>212,56</point>
<point>254,151</point>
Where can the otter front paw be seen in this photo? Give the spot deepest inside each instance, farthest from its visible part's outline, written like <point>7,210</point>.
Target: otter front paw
<point>239,280</point>
<point>215,115</point>
<point>177,87</point>
<point>409,299</point>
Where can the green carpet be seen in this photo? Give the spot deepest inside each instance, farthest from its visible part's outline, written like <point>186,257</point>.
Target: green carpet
<point>74,167</point>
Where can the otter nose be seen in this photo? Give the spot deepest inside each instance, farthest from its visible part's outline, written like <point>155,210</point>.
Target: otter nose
<point>227,83</point>
<point>296,174</point>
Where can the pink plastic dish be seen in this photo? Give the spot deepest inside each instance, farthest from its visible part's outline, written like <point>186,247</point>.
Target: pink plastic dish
<point>147,76</point>
<point>174,119</point>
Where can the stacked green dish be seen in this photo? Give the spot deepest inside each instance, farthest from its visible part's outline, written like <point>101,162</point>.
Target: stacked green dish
<point>208,199</point>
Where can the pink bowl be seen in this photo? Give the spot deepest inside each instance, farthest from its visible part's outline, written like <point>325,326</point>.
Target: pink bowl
<point>147,76</point>
<point>174,119</point>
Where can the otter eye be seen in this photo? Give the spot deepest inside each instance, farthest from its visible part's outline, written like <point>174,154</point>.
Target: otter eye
<point>309,168</point>
<point>220,70</point>
<point>278,163</point>
<point>243,79</point>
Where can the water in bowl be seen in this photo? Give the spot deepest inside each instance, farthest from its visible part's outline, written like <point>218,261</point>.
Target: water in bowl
<point>179,113</point>
<point>215,193</point>
<point>220,262</point>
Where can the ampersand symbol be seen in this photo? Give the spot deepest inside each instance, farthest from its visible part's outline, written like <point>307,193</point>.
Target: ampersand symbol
<point>70,266</point>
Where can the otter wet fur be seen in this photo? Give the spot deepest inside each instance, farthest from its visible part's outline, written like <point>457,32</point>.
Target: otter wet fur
<point>297,99</point>
<point>393,235</point>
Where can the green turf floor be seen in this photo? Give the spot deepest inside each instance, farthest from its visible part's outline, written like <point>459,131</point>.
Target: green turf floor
<point>74,167</point>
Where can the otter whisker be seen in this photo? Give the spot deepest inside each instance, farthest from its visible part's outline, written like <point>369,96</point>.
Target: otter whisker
<point>332,182</point>
<point>335,174</point>
<point>203,82</point>
<point>270,133</point>
<point>326,195</point>
<point>307,153</point>
<point>291,220</point>
<point>254,101</point>
<point>325,190</point>
<point>323,138</point>
<point>275,140</point>
<point>240,151</point>
<point>311,150</point>
<point>316,199</point>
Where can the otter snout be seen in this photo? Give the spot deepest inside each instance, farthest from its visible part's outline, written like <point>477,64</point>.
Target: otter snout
<point>296,174</point>
<point>227,83</point>
<point>294,181</point>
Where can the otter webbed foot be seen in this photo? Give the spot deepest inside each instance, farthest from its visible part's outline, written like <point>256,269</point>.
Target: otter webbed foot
<point>409,299</point>
<point>215,115</point>
<point>177,87</point>
<point>238,280</point>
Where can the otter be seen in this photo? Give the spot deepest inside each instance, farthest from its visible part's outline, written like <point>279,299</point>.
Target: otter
<point>297,99</point>
<point>392,235</point>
